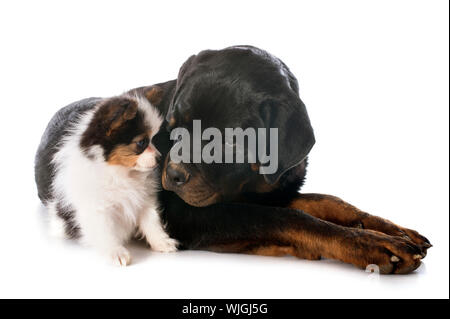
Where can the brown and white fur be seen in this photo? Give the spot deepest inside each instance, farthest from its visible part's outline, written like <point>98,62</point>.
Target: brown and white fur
<point>105,177</point>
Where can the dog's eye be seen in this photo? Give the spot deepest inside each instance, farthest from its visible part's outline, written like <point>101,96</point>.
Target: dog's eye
<point>142,144</point>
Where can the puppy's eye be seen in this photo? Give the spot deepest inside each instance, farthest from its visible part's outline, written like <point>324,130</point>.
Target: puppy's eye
<point>142,144</point>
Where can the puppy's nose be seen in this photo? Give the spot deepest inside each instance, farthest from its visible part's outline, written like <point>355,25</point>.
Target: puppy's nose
<point>177,176</point>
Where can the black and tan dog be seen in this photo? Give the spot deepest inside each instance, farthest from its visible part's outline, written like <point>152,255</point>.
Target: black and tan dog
<point>231,207</point>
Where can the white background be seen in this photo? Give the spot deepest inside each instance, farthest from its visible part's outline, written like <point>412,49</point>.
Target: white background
<point>373,74</point>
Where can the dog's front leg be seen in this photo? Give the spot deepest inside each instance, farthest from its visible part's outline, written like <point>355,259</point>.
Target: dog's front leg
<point>335,210</point>
<point>274,231</point>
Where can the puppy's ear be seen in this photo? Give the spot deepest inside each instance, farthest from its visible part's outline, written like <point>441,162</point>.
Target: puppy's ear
<point>115,112</point>
<point>295,134</point>
<point>111,115</point>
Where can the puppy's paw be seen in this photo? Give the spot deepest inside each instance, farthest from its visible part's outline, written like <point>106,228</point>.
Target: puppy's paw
<point>120,257</point>
<point>164,244</point>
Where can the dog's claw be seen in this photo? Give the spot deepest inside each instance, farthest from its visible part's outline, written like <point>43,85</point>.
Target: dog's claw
<point>407,237</point>
<point>395,259</point>
<point>418,256</point>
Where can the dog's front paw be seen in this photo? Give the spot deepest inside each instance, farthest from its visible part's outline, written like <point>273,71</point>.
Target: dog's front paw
<point>387,227</point>
<point>120,257</point>
<point>164,244</point>
<point>418,239</point>
<point>392,255</point>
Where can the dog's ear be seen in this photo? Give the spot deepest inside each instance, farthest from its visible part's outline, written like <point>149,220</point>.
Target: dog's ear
<point>295,134</point>
<point>118,111</point>
<point>185,67</point>
<point>114,112</point>
<point>181,74</point>
<point>111,114</point>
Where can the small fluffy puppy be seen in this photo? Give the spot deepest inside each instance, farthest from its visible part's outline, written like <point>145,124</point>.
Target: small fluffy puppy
<point>96,172</point>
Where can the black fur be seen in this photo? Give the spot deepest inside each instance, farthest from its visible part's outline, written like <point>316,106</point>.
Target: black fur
<point>244,87</point>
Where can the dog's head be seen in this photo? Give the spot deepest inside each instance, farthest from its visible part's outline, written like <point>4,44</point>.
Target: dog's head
<point>120,132</point>
<point>238,87</point>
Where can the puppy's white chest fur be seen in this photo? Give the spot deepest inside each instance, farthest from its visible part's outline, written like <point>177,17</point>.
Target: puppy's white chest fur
<point>99,186</point>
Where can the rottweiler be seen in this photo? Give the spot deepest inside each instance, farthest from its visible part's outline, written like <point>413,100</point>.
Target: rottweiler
<point>232,207</point>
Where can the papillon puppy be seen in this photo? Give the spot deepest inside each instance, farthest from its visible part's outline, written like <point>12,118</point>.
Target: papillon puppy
<point>96,172</point>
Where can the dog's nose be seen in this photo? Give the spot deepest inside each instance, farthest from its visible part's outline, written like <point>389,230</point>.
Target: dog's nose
<point>177,176</point>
